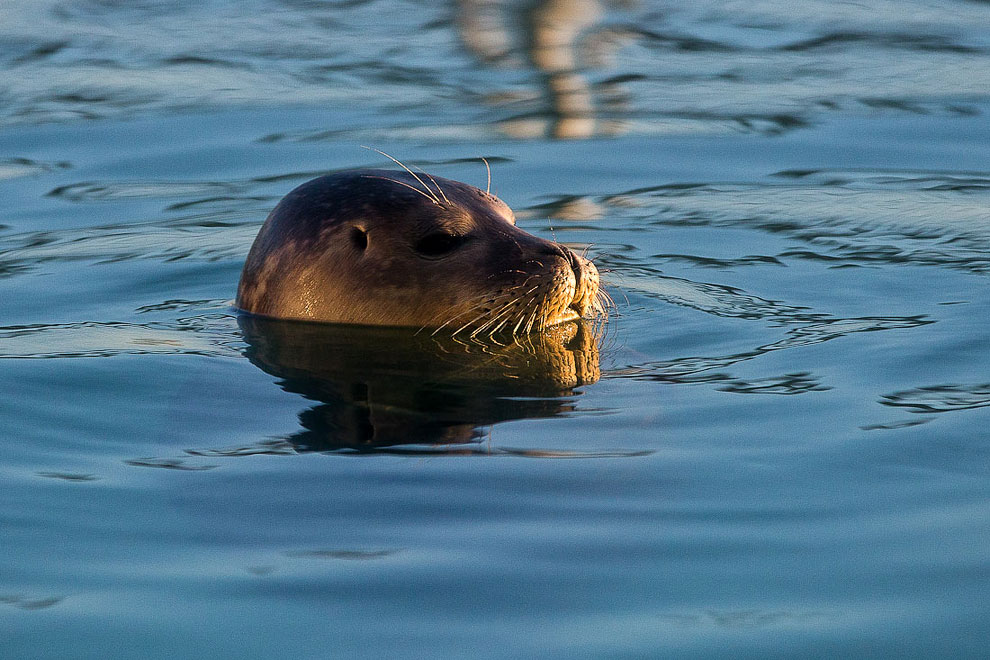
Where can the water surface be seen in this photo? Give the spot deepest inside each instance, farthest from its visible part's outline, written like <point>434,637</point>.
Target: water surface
<point>781,447</point>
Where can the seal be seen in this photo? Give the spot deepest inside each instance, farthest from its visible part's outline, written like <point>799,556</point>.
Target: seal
<point>394,248</point>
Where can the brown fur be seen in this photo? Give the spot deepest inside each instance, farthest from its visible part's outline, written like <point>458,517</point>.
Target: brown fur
<point>371,247</point>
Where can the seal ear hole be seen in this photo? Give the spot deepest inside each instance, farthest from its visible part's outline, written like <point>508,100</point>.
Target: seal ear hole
<point>438,244</point>
<point>359,238</point>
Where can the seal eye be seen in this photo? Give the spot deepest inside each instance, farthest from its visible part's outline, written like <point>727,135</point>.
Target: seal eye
<point>359,238</point>
<point>438,244</point>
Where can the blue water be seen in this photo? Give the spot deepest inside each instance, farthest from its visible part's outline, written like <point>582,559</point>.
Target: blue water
<point>786,452</point>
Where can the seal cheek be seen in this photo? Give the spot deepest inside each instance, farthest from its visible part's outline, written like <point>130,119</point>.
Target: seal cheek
<point>254,293</point>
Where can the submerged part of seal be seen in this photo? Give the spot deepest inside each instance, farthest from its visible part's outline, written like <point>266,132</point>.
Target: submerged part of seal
<point>390,248</point>
<point>376,388</point>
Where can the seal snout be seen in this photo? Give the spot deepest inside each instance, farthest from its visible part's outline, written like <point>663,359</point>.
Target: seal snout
<point>586,289</point>
<point>585,282</point>
<point>585,277</point>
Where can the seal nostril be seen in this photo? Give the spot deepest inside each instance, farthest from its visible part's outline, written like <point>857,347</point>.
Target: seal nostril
<point>572,260</point>
<point>556,250</point>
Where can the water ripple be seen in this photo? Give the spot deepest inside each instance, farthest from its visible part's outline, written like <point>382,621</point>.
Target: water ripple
<point>715,299</point>
<point>282,447</point>
<point>68,476</point>
<point>30,603</point>
<point>12,168</point>
<point>940,398</point>
<point>900,424</point>
<point>885,41</point>
<point>275,447</point>
<point>817,333</point>
<point>842,217</point>
<point>168,464</point>
<point>196,192</point>
<point>349,555</point>
<point>89,191</point>
<point>788,384</point>
<point>686,369</point>
<point>209,335</point>
<point>196,240</point>
<point>750,618</point>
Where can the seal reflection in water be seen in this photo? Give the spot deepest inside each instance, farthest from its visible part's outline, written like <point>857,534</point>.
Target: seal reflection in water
<point>379,389</point>
<point>391,248</point>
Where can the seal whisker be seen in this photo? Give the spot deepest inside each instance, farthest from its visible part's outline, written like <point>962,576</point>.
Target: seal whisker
<point>511,305</point>
<point>439,189</point>
<point>515,330</point>
<point>415,176</point>
<point>506,272</point>
<point>483,327</point>
<point>413,188</point>
<point>539,311</point>
<point>483,299</point>
<point>465,326</point>
<point>488,188</point>
<point>490,323</point>
<point>480,328</point>
<point>452,319</point>
<point>604,300</point>
<point>598,303</point>
<point>445,323</point>
<point>470,309</point>
<point>505,310</point>
<point>500,330</point>
<point>501,325</point>
<point>532,320</point>
<point>623,295</point>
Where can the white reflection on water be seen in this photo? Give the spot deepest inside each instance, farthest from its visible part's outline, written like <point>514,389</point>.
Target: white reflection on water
<point>125,242</point>
<point>12,168</point>
<point>561,68</point>
<point>106,339</point>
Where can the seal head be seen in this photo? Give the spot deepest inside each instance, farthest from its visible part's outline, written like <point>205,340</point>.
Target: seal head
<point>390,248</point>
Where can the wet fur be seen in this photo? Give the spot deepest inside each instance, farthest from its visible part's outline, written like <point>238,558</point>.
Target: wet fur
<point>308,262</point>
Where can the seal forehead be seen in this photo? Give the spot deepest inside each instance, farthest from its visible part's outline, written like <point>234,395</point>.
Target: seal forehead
<point>482,201</point>
<point>436,195</point>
